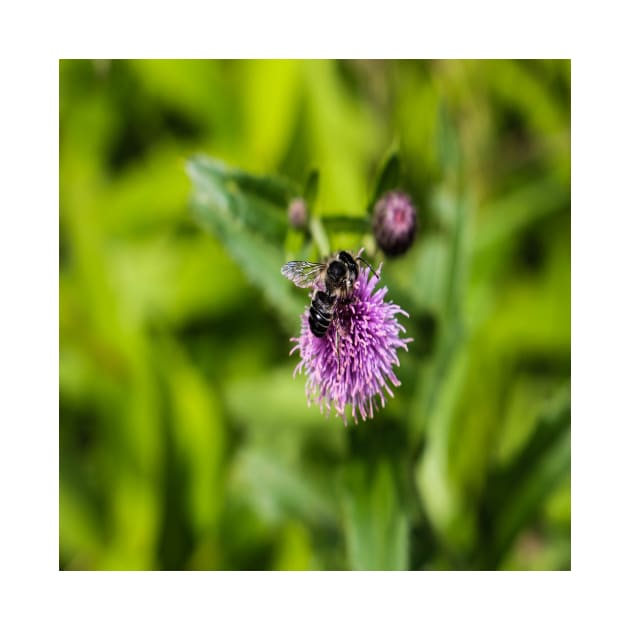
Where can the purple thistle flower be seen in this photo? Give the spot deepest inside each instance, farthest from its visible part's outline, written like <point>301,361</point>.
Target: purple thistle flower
<point>352,364</point>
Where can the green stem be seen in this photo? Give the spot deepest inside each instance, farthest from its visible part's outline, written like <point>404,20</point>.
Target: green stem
<point>319,236</point>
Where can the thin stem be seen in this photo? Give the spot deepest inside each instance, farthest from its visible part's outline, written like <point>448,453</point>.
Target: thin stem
<point>319,236</point>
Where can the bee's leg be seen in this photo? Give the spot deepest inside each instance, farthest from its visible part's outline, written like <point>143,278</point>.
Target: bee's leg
<point>368,264</point>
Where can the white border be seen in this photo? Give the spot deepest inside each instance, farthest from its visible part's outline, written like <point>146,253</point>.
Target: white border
<point>36,594</point>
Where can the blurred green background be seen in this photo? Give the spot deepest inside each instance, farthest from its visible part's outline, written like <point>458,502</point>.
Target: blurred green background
<point>185,443</point>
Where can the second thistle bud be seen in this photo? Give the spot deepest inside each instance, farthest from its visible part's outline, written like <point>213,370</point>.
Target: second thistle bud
<point>394,223</point>
<point>298,213</point>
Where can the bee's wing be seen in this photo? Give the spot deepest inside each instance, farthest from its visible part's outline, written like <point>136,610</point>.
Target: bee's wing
<point>302,273</point>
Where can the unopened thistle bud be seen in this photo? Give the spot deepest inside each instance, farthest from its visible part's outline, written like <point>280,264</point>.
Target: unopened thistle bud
<point>394,223</point>
<point>298,213</point>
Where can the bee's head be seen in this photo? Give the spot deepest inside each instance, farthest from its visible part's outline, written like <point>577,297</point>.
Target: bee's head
<point>336,271</point>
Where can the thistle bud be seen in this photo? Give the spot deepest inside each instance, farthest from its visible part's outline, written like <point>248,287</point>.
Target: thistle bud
<point>298,213</point>
<point>394,223</point>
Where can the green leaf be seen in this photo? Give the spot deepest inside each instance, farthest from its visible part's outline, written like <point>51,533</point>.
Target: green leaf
<point>257,200</point>
<point>320,236</point>
<point>311,188</point>
<point>275,190</point>
<point>388,179</point>
<point>390,175</point>
<point>214,207</point>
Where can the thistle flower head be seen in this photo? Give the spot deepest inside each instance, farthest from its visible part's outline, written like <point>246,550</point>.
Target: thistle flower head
<point>394,223</point>
<point>352,364</point>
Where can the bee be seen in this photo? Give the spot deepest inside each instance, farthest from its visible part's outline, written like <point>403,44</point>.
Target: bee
<point>334,281</point>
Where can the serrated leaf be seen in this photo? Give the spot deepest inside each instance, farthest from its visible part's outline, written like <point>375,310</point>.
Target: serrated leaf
<point>276,190</point>
<point>259,260</point>
<point>256,212</point>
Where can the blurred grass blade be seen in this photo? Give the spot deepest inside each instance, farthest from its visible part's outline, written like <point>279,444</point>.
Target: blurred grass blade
<point>376,528</point>
<point>440,496</point>
<point>278,490</point>
<point>439,282</point>
<point>517,490</point>
<point>504,218</point>
<point>449,152</point>
<point>198,434</point>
